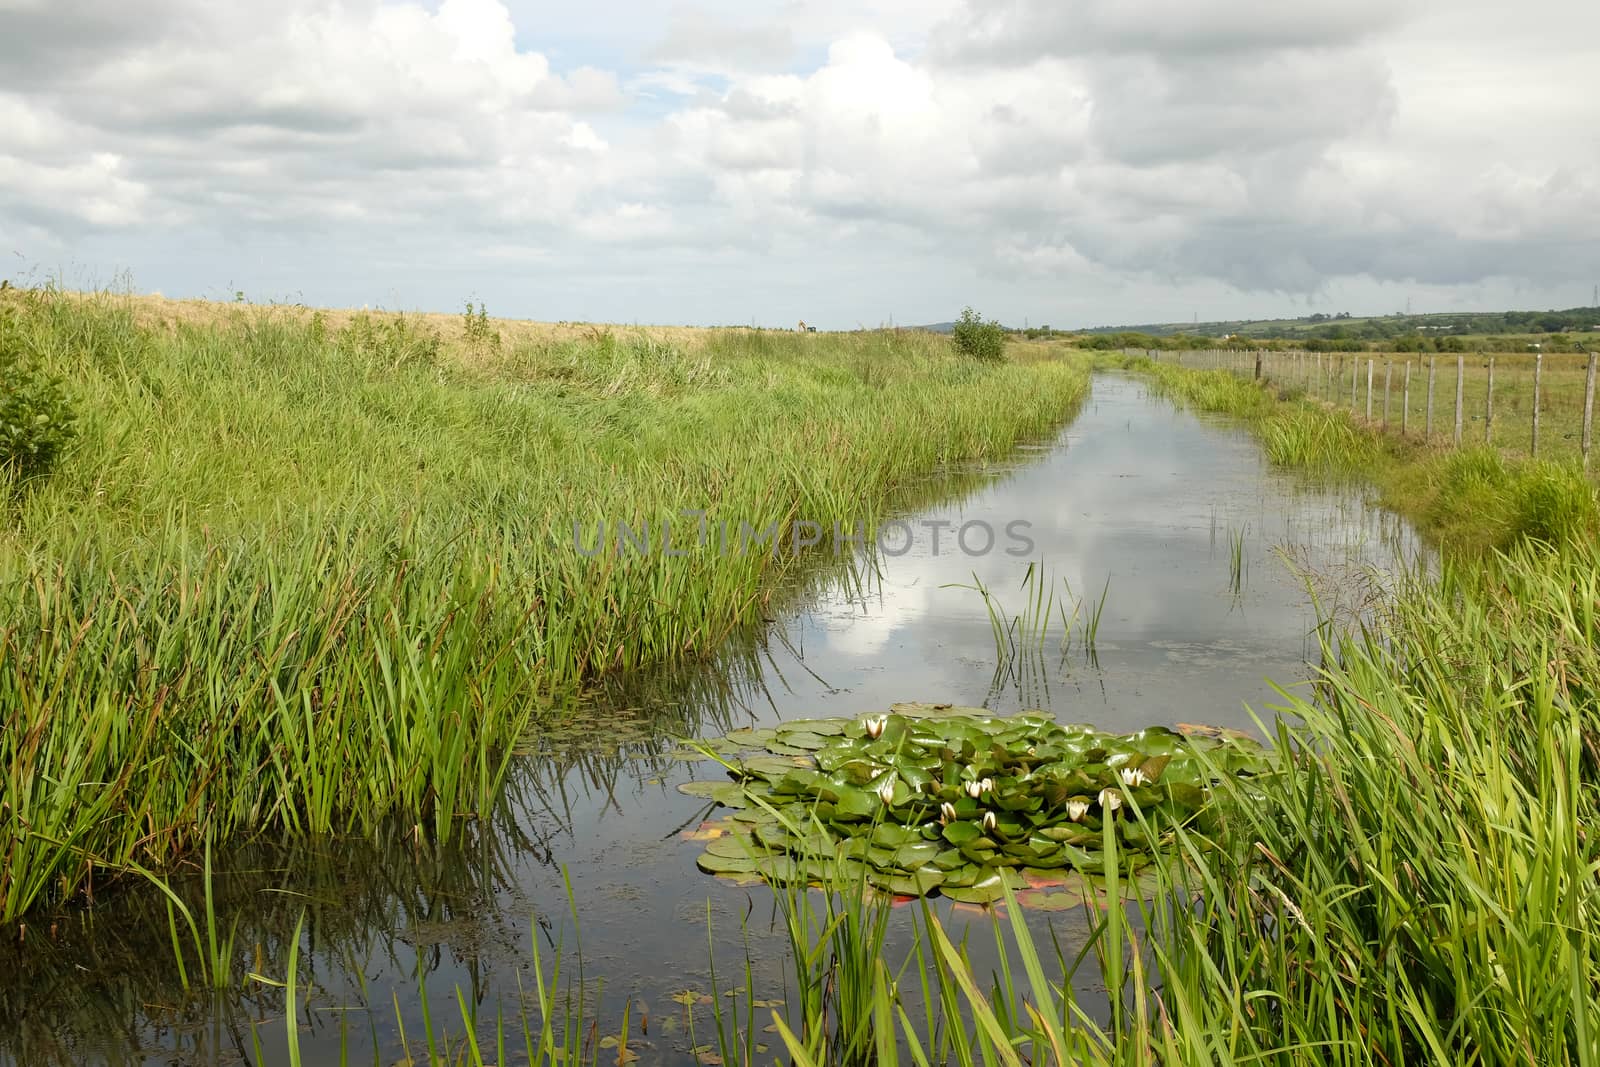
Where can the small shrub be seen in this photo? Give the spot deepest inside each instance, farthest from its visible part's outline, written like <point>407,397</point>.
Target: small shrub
<point>1552,503</point>
<point>981,340</point>
<point>1468,498</point>
<point>389,344</point>
<point>36,419</point>
<point>479,332</point>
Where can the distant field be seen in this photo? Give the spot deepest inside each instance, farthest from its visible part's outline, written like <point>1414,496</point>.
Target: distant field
<point>1511,426</point>
<point>1486,331</point>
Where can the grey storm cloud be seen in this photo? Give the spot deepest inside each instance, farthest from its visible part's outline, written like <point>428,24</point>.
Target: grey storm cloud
<point>1192,108</point>
<point>1023,30</point>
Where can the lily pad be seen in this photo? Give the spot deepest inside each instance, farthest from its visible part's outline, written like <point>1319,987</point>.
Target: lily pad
<point>736,847</point>
<point>751,737</point>
<point>933,798</point>
<point>728,794</point>
<point>803,739</point>
<point>768,768</point>
<point>715,864</point>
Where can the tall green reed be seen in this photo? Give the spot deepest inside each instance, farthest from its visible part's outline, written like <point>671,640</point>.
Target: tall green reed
<point>312,579</point>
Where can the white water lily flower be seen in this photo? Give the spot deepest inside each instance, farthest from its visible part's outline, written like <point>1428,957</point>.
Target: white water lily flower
<point>1077,809</point>
<point>974,789</point>
<point>986,786</point>
<point>886,792</point>
<point>1134,776</point>
<point>1110,799</point>
<point>875,725</point>
<point>988,820</point>
<point>947,813</point>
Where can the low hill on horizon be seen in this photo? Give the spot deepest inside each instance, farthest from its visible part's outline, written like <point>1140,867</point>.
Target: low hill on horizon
<point>1375,327</point>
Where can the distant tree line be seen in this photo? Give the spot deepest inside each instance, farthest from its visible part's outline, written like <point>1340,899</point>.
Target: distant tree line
<point>1177,342</point>
<point>1340,332</point>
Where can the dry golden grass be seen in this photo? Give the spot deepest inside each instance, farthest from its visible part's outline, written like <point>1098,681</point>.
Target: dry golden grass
<point>161,312</point>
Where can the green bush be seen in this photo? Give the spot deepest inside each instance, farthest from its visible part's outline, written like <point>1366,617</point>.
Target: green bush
<point>980,340</point>
<point>390,344</point>
<point>36,420</point>
<point>1552,503</point>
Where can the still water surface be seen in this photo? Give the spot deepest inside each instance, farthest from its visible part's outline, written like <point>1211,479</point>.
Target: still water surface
<point>1135,500</point>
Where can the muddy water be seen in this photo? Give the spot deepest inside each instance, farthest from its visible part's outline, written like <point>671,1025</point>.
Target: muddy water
<point>1197,549</point>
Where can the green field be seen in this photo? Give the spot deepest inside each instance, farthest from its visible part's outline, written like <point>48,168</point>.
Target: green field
<point>317,570</point>
<point>1499,331</point>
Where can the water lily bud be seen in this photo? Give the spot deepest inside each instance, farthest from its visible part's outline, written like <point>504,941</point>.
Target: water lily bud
<point>988,820</point>
<point>974,789</point>
<point>875,725</point>
<point>947,813</point>
<point>1110,799</point>
<point>1077,809</point>
<point>986,786</point>
<point>1133,776</point>
<point>886,792</point>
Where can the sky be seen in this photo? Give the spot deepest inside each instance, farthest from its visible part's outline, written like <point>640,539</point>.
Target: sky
<point>845,162</point>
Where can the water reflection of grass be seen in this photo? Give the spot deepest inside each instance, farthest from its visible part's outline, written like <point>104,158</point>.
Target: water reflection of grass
<point>115,978</point>
<point>1020,637</point>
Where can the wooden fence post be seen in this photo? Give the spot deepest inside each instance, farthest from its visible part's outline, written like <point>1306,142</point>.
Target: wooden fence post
<point>1427,427</point>
<point>1355,368</point>
<point>1488,407</point>
<point>1538,378</point>
<point>1461,376</point>
<point>1405,402</point>
<point>1588,411</point>
<point>1369,390</point>
<point>1388,382</point>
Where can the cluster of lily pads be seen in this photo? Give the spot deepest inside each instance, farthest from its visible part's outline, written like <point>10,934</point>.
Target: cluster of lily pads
<point>958,801</point>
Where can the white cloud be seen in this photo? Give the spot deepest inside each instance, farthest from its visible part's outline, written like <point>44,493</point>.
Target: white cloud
<point>1069,160</point>
<point>353,111</point>
<point>92,191</point>
<point>702,39</point>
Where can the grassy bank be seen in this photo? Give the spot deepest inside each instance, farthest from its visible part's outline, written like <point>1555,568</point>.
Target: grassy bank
<point>315,572</point>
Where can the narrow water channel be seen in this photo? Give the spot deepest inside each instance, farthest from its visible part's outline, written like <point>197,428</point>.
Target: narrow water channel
<point>1175,520</point>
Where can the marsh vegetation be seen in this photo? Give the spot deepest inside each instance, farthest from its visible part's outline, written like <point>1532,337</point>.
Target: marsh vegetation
<point>298,574</point>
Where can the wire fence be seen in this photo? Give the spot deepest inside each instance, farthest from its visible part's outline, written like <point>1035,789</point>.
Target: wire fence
<point>1526,404</point>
